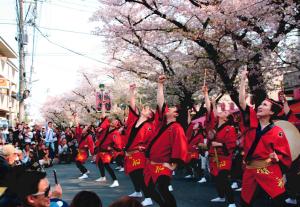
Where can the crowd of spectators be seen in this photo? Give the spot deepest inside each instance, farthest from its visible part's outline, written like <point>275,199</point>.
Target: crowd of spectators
<point>25,152</point>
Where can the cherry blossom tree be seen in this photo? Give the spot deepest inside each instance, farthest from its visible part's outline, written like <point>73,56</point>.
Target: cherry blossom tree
<point>182,38</point>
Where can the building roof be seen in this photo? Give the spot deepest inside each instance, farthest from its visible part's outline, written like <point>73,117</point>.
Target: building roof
<point>6,50</point>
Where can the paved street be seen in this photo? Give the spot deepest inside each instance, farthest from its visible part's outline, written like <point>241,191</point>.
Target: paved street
<point>188,193</point>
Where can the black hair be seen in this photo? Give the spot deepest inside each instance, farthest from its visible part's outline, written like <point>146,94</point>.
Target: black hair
<point>25,183</point>
<point>86,199</point>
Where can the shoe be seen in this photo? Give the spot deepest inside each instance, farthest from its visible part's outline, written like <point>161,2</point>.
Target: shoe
<point>188,176</point>
<point>136,195</point>
<point>118,168</point>
<point>101,179</point>
<point>291,201</point>
<point>115,184</point>
<point>234,185</point>
<point>238,190</point>
<point>218,199</point>
<point>147,202</point>
<point>171,188</point>
<point>121,169</point>
<point>87,172</point>
<point>84,176</point>
<point>173,173</point>
<point>232,205</point>
<point>202,180</point>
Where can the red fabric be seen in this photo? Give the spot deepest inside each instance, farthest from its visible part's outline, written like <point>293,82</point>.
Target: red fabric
<point>134,162</point>
<point>113,139</point>
<point>88,143</point>
<point>102,129</point>
<point>193,142</point>
<point>226,135</point>
<point>153,171</point>
<point>171,144</point>
<point>78,132</point>
<point>224,163</point>
<point>269,179</point>
<point>104,156</point>
<point>292,118</point>
<point>82,155</point>
<point>273,140</point>
<point>189,131</point>
<point>142,137</point>
<point>192,156</point>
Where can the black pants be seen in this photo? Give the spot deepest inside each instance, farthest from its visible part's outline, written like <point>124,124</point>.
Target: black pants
<point>278,201</point>
<point>137,179</point>
<point>161,194</point>
<point>81,167</point>
<point>195,165</point>
<point>223,185</point>
<point>101,167</point>
<point>120,160</point>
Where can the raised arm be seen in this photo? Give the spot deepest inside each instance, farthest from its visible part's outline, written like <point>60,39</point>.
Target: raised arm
<point>132,89</point>
<point>242,92</point>
<point>206,98</point>
<point>282,98</point>
<point>160,91</point>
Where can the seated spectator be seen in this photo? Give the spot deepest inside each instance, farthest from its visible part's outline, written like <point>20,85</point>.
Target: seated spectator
<point>7,160</point>
<point>64,154</point>
<point>35,190</point>
<point>86,199</point>
<point>43,156</point>
<point>126,202</point>
<point>26,152</point>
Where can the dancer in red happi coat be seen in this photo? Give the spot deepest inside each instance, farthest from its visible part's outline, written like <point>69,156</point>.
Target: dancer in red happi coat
<point>266,150</point>
<point>165,150</point>
<point>222,142</point>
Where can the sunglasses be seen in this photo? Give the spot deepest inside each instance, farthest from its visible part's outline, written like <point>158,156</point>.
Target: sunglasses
<point>45,193</point>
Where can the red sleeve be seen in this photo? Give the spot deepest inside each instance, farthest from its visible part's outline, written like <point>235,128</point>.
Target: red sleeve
<point>78,132</point>
<point>159,116</point>
<point>117,139</point>
<point>210,121</point>
<point>291,117</point>
<point>230,142</point>
<point>132,117</point>
<point>179,144</point>
<point>90,144</point>
<point>249,119</point>
<point>282,148</point>
<point>189,131</point>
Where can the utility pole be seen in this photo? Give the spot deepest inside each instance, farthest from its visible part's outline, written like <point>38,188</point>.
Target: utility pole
<point>20,11</point>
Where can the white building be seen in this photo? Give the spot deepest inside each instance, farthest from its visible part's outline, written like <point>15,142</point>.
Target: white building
<point>9,81</point>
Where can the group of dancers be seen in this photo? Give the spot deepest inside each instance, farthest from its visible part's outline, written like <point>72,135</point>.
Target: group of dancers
<point>154,143</point>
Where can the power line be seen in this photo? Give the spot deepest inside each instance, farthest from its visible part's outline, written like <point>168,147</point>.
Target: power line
<point>73,51</point>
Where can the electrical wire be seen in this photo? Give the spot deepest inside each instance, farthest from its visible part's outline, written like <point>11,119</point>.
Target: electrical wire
<point>73,51</point>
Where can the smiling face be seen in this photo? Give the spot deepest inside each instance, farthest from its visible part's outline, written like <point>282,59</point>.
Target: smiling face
<point>42,197</point>
<point>264,110</point>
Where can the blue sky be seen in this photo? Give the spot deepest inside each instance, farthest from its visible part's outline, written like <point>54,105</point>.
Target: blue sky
<point>55,69</point>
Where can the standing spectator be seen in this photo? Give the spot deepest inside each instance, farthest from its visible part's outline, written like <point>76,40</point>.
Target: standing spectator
<point>37,135</point>
<point>50,139</point>
<point>18,136</point>
<point>28,135</point>
<point>10,135</point>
